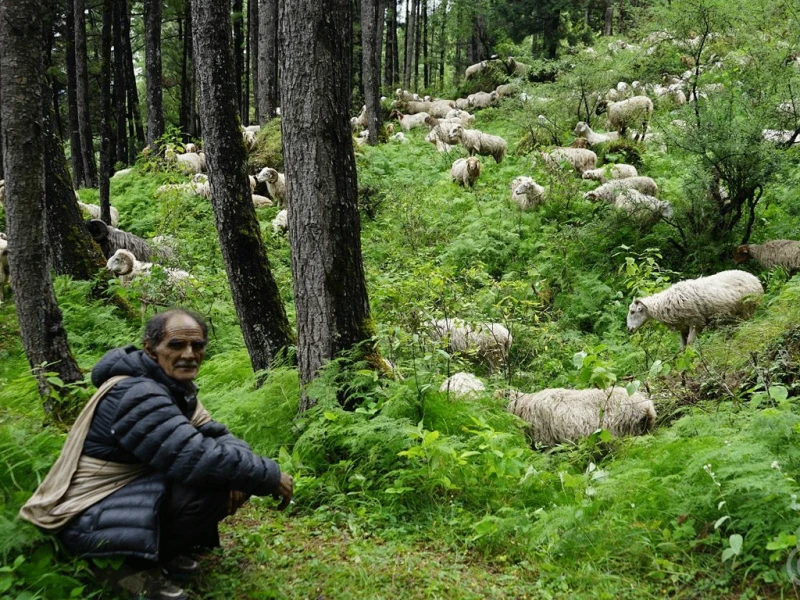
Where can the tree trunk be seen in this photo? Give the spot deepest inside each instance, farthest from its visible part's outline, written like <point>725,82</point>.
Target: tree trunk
<point>238,53</point>
<point>134,116</point>
<point>417,37</point>
<point>322,196</point>
<point>246,67</point>
<point>152,52</point>
<point>72,102</point>
<point>21,63</point>
<point>458,65</point>
<point>411,20</point>
<point>106,113</point>
<point>388,62</point>
<point>426,74</point>
<point>442,42</point>
<point>370,53</point>
<point>608,27</point>
<point>82,95</point>
<point>267,59</point>
<point>256,297</point>
<point>621,18</point>
<point>185,118</point>
<point>254,40</point>
<point>119,84</point>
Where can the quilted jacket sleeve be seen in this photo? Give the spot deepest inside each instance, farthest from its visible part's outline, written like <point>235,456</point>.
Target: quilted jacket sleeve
<point>218,431</point>
<point>149,425</point>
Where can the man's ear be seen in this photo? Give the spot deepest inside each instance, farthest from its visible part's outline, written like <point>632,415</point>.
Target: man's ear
<point>149,350</point>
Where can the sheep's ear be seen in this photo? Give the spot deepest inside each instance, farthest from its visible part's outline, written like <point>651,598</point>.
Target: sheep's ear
<point>637,302</point>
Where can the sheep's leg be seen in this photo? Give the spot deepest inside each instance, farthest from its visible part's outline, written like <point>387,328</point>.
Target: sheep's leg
<point>684,338</point>
<point>692,336</point>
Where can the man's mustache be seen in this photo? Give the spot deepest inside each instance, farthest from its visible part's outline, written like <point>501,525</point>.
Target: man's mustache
<point>186,364</point>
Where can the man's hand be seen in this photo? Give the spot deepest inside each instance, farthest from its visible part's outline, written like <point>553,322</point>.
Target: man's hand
<point>235,501</point>
<point>285,491</point>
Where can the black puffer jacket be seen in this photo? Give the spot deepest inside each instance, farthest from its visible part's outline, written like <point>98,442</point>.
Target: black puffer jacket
<point>146,419</point>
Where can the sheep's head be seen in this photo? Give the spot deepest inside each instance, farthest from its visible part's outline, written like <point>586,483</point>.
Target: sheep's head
<point>431,121</point>
<point>582,129</point>
<point>200,178</point>
<point>638,315</point>
<point>170,155</point>
<point>473,166</point>
<point>580,142</point>
<point>190,147</point>
<point>267,174</point>
<point>456,133</point>
<point>121,262</point>
<point>742,254</point>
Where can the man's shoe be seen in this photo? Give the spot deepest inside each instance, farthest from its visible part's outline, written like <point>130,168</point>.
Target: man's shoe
<point>150,585</point>
<point>181,567</point>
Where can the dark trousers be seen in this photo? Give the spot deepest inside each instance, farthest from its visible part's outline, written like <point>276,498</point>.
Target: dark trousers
<point>189,518</point>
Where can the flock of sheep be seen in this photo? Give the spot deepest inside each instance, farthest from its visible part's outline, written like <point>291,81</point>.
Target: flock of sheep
<point>556,416</point>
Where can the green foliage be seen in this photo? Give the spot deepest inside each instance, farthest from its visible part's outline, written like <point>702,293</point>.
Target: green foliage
<point>268,151</point>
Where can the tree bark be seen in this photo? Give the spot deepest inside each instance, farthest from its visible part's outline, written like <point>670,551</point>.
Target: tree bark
<point>370,54</point>
<point>152,51</point>
<point>106,113</point>
<point>186,119</point>
<point>267,59</point>
<point>82,96</point>
<point>426,74</point>
<point>442,42</point>
<point>254,41</point>
<point>458,65</point>
<point>119,84</point>
<point>237,7</point>
<point>330,292</point>
<point>608,26</point>
<point>411,20</point>
<point>256,297</point>
<point>21,63</point>
<point>387,65</point>
<point>246,67</point>
<point>134,116</point>
<point>417,42</point>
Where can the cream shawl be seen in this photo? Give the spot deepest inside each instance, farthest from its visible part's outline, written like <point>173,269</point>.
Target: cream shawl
<point>76,482</point>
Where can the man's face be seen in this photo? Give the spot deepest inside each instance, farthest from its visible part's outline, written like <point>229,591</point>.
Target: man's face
<point>182,350</point>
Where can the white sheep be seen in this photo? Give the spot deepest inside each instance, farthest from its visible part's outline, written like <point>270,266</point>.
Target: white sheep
<point>399,137</point>
<point>526,192</point>
<point>642,208</point>
<point>776,253</point>
<point>477,142</point>
<point>276,184</point>
<point>462,103</point>
<point>5,275</point>
<point>360,122</point>
<point>606,172</point>
<point>260,201</point>
<point>252,128</point>
<point>482,99</point>
<point>462,385</point>
<point>689,306</point>
<point>440,108</point>
<point>465,171</point>
<point>408,122</point>
<point>116,175</point>
<point>94,211</point>
<point>466,119</point>
<point>582,130</point>
<point>189,162</point>
<point>125,266</point>
<point>490,341</point>
<point>473,70</point>
<point>414,107</point>
<point>633,111</point>
<point>581,159</point>
<point>609,191</point>
<point>559,415</point>
<point>434,138</point>
<point>507,89</point>
<point>190,148</point>
<point>280,223</point>
<point>249,139</point>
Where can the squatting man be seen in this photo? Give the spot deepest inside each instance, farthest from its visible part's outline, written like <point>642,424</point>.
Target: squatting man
<point>145,473</point>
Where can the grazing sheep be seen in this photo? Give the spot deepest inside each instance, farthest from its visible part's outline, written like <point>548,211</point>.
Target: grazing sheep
<point>110,239</point>
<point>604,173</point>
<point>466,119</point>
<point>5,275</point>
<point>190,148</point>
<point>776,253</point>
<point>689,306</point>
<point>490,341</point>
<point>190,162</point>
<point>559,415</point>
<point>527,193</point>
<point>435,137</point>
<point>477,142</point>
<point>360,122</point>
<point>482,99</point>
<point>404,95</point>
<point>462,385</point>
<point>116,175</point>
<point>280,224</point>
<point>440,108</point>
<point>507,89</point>
<point>249,140</point>
<point>399,137</point>
<point>778,136</point>
<point>582,130</point>
<point>415,107</point>
<point>94,211</point>
<point>581,159</point>
<point>125,266</point>
<point>202,156</point>
<point>633,111</point>
<point>465,171</point>
<point>609,191</point>
<point>515,67</point>
<point>473,70</point>
<point>408,122</point>
<point>261,201</point>
<point>276,184</point>
<point>462,103</point>
<point>645,209</point>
